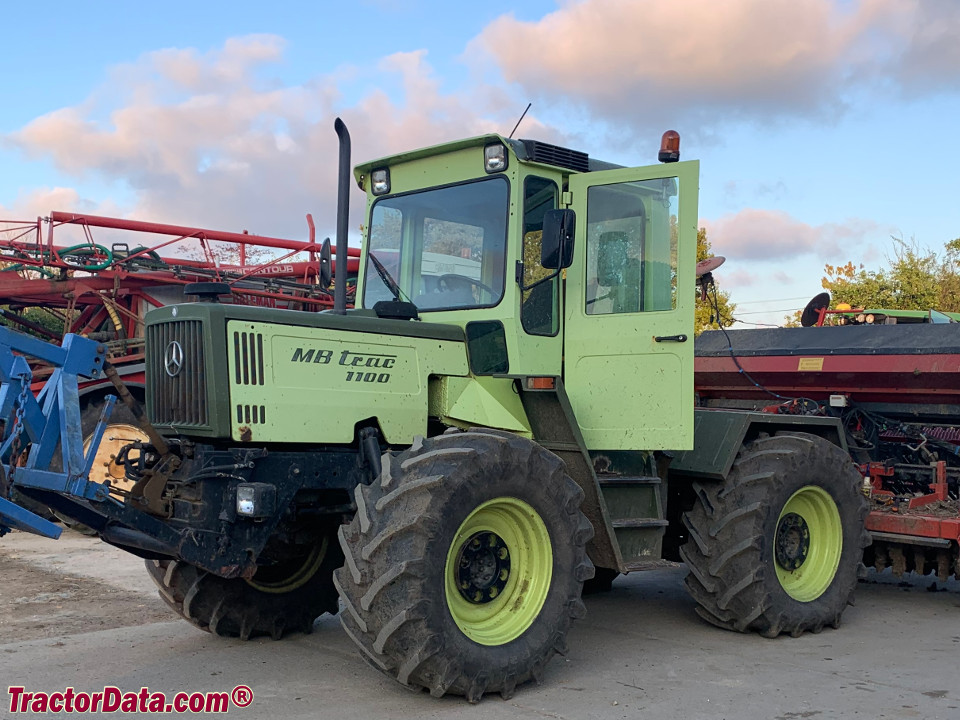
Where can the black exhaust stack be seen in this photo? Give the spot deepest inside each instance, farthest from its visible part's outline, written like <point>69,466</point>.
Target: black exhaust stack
<point>343,218</point>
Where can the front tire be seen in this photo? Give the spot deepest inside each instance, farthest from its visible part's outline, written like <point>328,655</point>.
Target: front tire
<point>275,602</point>
<point>776,547</point>
<point>464,564</point>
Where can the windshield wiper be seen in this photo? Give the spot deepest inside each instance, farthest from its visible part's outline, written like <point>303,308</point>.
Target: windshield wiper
<point>388,280</point>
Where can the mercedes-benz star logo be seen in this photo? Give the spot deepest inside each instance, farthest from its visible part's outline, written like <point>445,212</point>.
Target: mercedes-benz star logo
<point>173,358</point>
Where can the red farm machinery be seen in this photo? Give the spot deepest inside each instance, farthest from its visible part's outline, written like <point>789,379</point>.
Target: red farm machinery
<point>98,277</point>
<point>893,380</point>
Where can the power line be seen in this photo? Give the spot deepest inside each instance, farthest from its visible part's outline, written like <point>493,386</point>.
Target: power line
<point>773,300</point>
<point>763,312</point>
<point>748,322</point>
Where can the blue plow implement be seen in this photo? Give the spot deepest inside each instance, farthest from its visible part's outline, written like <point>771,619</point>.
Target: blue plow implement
<point>35,427</point>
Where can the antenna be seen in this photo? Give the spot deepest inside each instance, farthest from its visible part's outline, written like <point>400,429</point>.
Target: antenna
<point>529,105</point>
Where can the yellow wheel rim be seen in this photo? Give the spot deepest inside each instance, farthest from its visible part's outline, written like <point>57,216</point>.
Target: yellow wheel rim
<point>287,579</point>
<point>105,465</point>
<point>498,571</point>
<point>808,543</point>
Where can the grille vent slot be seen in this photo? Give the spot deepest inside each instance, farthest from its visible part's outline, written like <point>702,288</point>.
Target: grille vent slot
<point>248,358</point>
<point>251,414</point>
<point>179,400</point>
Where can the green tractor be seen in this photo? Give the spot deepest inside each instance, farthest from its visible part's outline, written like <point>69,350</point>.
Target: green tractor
<point>506,416</point>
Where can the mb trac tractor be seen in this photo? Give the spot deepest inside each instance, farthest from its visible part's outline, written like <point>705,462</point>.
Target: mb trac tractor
<point>508,410</point>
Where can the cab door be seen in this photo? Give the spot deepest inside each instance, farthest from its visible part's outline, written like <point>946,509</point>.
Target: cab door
<point>630,295</point>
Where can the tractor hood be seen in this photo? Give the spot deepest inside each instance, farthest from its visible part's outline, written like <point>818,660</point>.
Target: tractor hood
<point>279,376</point>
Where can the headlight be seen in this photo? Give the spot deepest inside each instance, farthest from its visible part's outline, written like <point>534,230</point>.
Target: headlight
<point>494,158</point>
<point>256,500</point>
<point>380,181</point>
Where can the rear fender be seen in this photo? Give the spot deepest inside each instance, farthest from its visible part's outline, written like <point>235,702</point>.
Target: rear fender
<point>719,435</point>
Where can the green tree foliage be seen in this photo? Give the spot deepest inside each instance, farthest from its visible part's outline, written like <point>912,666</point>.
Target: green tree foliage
<point>706,315</point>
<point>792,320</point>
<point>37,315</point>
<point>917,279</point>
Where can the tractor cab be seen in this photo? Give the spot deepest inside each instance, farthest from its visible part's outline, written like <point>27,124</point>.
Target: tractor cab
<point>555,265</point>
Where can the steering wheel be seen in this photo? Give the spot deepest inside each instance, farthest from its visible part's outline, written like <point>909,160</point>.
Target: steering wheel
<point>453,282</point>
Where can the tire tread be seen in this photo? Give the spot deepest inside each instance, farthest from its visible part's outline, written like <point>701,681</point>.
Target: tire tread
<point>389,613</point>
<point>731,574</point>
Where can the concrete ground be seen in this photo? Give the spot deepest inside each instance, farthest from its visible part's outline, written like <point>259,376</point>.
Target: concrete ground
<point>75,612</point>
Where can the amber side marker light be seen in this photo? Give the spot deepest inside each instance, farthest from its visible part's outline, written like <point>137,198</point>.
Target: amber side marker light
<point>669,147</point>
<point>541,383</point>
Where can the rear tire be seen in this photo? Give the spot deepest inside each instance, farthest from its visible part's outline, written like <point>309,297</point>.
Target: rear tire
<point>273,602</point>
<point>777,546</point>
<point>464,564</point>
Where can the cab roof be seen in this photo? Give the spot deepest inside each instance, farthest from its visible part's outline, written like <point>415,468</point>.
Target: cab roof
<point>524,150</point>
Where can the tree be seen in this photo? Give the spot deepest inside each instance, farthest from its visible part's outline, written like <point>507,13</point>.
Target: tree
<point>917,279</point>
<point>792,321</point>
<point>42,316</point>
<point>706,314</point>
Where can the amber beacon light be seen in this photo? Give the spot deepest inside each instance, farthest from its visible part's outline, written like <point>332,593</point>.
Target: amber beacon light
<point>669,147</point>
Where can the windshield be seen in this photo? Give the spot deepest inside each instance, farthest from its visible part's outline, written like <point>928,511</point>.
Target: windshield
<point>445,248</point>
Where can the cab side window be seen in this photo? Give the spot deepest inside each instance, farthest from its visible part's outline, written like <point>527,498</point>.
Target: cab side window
<point>631,247</point>
<point>539,306</point>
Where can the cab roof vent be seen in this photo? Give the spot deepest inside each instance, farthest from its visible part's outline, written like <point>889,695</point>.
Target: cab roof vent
<point>555,155</point>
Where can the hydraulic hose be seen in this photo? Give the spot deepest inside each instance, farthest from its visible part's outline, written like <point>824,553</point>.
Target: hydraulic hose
<point>87,249</point>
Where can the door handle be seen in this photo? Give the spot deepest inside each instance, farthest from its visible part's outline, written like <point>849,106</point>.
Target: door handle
<point>670,338</point>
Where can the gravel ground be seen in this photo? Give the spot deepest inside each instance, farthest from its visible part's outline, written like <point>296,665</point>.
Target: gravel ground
<point>79,613</point>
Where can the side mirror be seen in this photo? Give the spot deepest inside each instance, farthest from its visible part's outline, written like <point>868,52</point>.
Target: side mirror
<point>556,249</point>
<point>326,269</point>
<point>611,258</point>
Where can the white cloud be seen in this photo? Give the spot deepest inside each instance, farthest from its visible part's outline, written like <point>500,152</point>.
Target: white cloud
<point>757,234</point>
<point>39,201</point>
<point>204,139</point>
<point>929,62</point>
<point>738,279</point>
<point>213,139</point>
<point>665,62</point>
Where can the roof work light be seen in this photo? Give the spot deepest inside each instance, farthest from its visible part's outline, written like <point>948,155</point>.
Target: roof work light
<point>494,158</point>
<point>380,179</point>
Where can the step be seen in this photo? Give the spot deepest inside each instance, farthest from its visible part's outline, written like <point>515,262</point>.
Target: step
<point>557,446</point>
<point>627,480</point>
<point>639,523</point>
<point>641,565</point>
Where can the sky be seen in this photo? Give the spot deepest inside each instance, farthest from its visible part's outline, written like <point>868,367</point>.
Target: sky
<point>825,129</point>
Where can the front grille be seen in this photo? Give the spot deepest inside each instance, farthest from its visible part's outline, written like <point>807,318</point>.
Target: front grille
<point>177,396</point>
<point>555,155</point>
